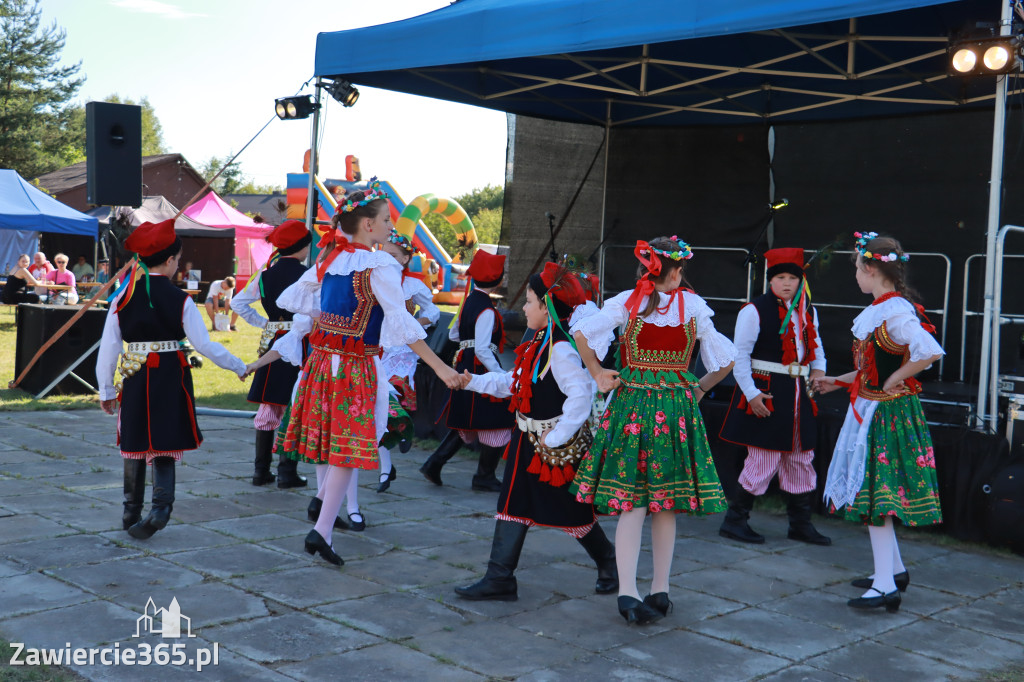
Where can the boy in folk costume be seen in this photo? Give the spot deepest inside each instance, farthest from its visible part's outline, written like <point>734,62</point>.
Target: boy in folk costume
<point>272,384</point>
<point>155,402</point>
<point>480,333</point>
<point>551,395</point>
<point>772,413</point>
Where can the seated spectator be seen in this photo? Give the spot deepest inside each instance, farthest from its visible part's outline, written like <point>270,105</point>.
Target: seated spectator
<point>19,279</point>
<point>62,276</point>
<point>219,300</point>
<point>40,266</point>
<point>182,275</point>
<point>103,276</point>
<point>82,270</point>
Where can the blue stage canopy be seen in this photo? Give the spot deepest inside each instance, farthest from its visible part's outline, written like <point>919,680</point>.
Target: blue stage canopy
<point>670,62</point>
<point>25,207</point>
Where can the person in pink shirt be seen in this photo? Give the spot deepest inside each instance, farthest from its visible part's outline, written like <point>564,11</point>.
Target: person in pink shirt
<point>62,276</point>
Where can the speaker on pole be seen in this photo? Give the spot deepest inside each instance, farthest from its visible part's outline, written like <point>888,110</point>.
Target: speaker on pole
<point>113,148</point>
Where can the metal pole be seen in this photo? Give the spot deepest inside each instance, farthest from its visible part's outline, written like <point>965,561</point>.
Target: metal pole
<point>989,364</point>
<point>311,209</point>
<point>604,197</point>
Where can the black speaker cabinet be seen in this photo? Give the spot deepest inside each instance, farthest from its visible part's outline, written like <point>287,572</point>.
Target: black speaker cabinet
<point>36,323</point>
<point>113,149</point>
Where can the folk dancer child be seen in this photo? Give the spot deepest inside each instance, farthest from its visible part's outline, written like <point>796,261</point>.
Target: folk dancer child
<point>272,384</point>
<point>883,467</point>
<point>340,409</point>
<point>399,363</point>
<point>772,412</point>
<point>651,453</point>
<point>551,393</point>
<point>155,402</point>
<point>480,333</point>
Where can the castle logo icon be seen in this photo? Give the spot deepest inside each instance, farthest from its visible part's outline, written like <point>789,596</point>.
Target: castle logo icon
<point>165,622</point>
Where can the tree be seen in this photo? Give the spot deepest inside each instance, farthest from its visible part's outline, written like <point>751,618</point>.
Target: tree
<point>484,207</point>
<point>36,120</point>
<point>230,179</point>
<point>152,131</point>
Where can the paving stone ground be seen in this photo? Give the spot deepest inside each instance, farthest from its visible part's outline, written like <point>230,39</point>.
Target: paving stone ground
<point>233,559</point>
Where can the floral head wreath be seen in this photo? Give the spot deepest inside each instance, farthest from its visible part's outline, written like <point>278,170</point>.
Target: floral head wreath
<point>682,252</point>
<point>862,248</point>
<point>373,193</point>
<point>401,241</point>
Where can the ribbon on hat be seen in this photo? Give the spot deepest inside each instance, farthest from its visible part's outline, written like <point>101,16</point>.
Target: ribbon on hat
<point>645,287</point>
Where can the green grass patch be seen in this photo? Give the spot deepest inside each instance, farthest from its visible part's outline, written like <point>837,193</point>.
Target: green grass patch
<point>214,387</point>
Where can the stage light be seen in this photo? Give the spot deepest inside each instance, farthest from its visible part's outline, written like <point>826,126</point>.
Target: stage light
<point>343,92</point>
<point>290,108</point>
<point>991,56</point>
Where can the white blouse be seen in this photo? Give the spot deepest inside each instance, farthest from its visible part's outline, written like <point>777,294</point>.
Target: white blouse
<point>195,329</point>
<point>303,299</point>
<point>573,380</point>
<point>904,326</point>
<point>482,331</point>
<point>716,350</point>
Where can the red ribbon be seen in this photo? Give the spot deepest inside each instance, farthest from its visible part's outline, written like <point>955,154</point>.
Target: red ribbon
<point>645,287</point>
<point>341,243</point>
<point>853,388</point>
<point>926,324</point>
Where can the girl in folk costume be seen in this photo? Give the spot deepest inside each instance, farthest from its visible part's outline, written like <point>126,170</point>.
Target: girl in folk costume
<point>777,359</point>
<point>884,466</point>
<point>551,395</point>
<point>355,296</point>
<point>399,363</point>
<point>651,453</point>
<point>478,329</point>
<point>273,383</point>
<point>156,407</point>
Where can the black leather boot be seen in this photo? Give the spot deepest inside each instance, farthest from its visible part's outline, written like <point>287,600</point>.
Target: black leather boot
<point>800,526</point>
<point>735,525</point>
<point>163,500</point>
<point>603,553</point>
<point>499,583</point>
<point>134,491</point>
<point>485,481</point>
<point>288,475</point>
<point>431,469</point>
<point>264,456</point>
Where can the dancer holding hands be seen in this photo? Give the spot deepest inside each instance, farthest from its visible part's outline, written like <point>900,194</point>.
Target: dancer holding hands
<point>651,453</point>
<point>884,466</point>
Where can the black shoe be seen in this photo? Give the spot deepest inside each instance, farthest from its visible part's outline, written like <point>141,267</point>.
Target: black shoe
<point>358,526</point>
<point>660,602</point>
<point>157,520</point>
<point>315,544</point>
<point>385,479</point>
<point>800,527</point>
<point>636,612</point>
<point>264,454</point>
<point>484,480</point>
<point>735,525</point>
<point>288,476</point>
<point>490,589</point>
<point>890,601</point>
<point>902,581</point>
<point>486,485</point>
<point>431,469</point>
<point>313,514</point>
<point>405,445</point>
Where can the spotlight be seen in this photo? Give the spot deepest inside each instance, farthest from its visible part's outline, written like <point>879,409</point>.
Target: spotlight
<point>985,56</point>
<point>294,107</point>
<point>343,92</point>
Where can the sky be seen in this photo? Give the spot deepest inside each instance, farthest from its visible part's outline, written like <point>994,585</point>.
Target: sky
<point>212,70</point>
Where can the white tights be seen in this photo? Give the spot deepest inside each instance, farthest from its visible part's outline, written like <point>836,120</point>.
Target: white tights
<point>886,554</point>
<point>628,534</point>
<point>334,484</point>
<point>385,462</point>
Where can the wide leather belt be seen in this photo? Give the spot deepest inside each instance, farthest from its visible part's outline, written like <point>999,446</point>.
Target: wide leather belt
<point>277,326</point>
<point>153,346</point>
<point>538,426</point>
<point>794,369</point>
<point>463,345</point>
<point>268,334</point>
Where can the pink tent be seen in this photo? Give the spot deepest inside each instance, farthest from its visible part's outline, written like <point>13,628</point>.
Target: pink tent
<point>251,250</point>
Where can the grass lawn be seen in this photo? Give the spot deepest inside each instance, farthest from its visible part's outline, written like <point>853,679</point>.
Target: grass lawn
<point>214,386</point>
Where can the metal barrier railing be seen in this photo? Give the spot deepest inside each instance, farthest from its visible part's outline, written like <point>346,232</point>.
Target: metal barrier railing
<point>976,313</point>
<point>701,249</point>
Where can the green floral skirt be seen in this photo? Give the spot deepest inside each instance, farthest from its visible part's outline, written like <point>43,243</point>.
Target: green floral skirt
<point>899,476</point>
<point>650,451</point>
<point>399,424</point>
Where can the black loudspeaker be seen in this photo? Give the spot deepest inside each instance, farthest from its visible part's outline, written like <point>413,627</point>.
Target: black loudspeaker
<point>36,324</point>
<point>113,148</point>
